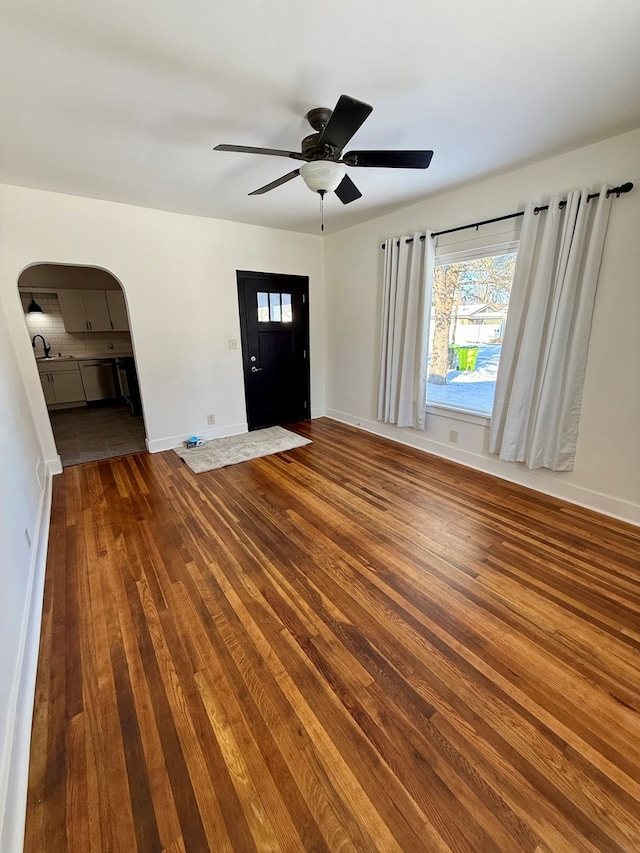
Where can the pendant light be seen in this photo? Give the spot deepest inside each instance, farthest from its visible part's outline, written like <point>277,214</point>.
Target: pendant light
<point>34,308</point>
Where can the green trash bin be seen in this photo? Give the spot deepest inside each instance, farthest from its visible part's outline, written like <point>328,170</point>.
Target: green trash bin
<point>467,358</point>
<point>472,356</point>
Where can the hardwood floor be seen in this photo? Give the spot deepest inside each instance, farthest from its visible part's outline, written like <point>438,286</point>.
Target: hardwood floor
<point>352,646</point>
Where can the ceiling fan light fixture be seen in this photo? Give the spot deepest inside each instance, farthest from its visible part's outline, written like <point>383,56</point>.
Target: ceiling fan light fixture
<point>322,175</point>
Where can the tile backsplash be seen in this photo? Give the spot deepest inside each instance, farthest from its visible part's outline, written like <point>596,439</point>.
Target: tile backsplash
<point>82,344</point>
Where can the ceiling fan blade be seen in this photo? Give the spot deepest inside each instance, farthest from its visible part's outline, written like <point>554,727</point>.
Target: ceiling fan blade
<point>250,149</point>
<point>347,117</point>
<point>279,182</point>
<point>347,191</point>
<point>389,159</point>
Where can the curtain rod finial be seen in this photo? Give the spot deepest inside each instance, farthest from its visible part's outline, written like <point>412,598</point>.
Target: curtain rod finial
<point>623,188</point>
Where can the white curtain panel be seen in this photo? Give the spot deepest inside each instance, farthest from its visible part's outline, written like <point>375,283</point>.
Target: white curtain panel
<point>544,354</point>
<point>408,277</point>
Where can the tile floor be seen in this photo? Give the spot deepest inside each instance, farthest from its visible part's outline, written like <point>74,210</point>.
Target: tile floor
<point>96,432</point>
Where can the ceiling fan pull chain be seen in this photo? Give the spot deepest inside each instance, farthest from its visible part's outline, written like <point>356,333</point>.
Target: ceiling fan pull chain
<point>321,193</point>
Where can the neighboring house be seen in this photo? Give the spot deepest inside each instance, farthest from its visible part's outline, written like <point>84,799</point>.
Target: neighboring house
<point>482,323</point>
<point>479,323</point>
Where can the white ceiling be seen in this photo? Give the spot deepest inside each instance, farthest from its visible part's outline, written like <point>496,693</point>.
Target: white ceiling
<point>125,100</point>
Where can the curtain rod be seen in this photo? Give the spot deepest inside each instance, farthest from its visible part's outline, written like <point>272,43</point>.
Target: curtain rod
<point>623,188</point>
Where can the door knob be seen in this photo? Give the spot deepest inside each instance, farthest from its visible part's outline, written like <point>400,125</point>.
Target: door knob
<point>255,369</point>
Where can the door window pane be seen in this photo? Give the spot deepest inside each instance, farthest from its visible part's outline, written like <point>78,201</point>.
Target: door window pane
<point>263,307</point>
<point>274,307</point>
<point>287,313</point>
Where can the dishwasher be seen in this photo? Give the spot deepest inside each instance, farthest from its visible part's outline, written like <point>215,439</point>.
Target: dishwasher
<point>97,378</point>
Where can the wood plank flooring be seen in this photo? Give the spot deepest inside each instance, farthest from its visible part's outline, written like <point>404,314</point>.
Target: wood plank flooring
<point>352,646</point>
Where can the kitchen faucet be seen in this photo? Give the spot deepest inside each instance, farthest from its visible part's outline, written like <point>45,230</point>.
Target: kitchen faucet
<point>47,348</point>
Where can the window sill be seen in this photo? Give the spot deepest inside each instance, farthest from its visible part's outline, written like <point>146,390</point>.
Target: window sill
<point>465,415</point>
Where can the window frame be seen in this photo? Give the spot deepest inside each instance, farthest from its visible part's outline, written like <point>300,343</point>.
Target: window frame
<point>444,255</point>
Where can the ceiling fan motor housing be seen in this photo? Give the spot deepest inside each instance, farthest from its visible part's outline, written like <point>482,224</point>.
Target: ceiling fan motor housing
<point>311,150</point>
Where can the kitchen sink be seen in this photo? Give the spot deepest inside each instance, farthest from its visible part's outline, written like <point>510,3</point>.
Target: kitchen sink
<point>55,358</point>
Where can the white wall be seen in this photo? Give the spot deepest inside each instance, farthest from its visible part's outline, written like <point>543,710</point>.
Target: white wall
<point>179,277</point>
<point>607,467</point>
<point>23,506</point>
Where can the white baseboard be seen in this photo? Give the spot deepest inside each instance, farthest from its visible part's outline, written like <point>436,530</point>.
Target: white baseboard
<point>16,772</point>
<point>54,466</point>
<point>159,444</point>
<point>168,443</point>
<point>514,473</point>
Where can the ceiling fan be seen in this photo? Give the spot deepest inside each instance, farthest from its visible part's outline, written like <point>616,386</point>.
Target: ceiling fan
<point>324,168</point>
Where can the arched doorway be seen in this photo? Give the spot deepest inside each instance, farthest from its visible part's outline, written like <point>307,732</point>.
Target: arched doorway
<point>78,323</point>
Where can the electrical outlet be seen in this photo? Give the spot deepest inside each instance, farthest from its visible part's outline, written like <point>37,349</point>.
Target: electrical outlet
<point>211,419</point>
<point>453,436</point>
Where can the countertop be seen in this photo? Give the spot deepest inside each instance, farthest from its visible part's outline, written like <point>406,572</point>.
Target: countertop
<point>41,358</point>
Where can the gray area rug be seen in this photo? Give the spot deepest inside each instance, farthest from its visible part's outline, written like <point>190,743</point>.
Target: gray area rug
<point>239,448</point>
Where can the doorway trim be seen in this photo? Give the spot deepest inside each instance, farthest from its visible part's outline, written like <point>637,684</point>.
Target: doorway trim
<point>34,390</point>
<point>298,285</point>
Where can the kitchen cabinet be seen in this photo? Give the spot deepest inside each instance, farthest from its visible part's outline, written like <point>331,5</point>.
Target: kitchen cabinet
<point>84,310</point>
<point>74,314</point>
<point>93,310</point>
<point>61,382</point>
<point>117,311</point>
<point>95,303</point>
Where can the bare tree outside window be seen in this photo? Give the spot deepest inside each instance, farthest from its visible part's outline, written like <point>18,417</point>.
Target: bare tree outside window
<point>445,284</point>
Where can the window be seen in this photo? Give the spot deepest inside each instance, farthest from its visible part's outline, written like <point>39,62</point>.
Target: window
<point>469,307</point>
<point>274,308</point>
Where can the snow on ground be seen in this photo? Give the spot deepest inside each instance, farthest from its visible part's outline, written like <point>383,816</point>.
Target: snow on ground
<point>472,389</point>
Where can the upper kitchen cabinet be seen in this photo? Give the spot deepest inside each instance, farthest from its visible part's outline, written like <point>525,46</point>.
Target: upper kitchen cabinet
<point>117,310</point>
<point>93,310</point>
<point>74,314</point>
<point>84,310</point>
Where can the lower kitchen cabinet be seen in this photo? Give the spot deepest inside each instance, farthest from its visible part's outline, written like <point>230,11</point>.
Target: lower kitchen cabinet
<point>61,382</point>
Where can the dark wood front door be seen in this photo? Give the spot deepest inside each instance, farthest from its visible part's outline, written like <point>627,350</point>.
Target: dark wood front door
<point>274,323</point>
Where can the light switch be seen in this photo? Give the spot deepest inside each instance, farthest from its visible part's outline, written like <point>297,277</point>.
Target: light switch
<point>233,343</point>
